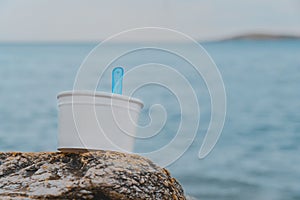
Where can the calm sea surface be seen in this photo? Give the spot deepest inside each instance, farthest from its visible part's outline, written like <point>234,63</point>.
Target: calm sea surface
<point>258,154</point>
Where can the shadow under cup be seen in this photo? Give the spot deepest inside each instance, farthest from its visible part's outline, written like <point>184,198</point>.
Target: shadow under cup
<point>97,121</point>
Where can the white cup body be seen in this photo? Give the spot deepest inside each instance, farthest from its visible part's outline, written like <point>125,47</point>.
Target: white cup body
<point>97,121</point>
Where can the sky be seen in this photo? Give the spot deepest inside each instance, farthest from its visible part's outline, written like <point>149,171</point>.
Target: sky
<point>95,20</point>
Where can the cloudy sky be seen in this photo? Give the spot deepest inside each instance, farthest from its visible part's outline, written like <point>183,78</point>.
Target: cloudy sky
<point>95,20</point>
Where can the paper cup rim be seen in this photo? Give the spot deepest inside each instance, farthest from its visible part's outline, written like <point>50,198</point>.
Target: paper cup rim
<point>99,94</point>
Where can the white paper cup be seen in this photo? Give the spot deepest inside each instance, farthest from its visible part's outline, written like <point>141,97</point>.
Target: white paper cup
<point>97,121</point>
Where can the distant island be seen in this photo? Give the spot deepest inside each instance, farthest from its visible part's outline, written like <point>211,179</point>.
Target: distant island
<point>262,36</point>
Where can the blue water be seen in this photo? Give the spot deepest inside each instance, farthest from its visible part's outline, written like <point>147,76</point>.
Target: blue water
<point>257,156</point>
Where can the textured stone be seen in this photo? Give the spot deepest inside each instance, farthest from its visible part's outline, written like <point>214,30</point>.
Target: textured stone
<point>92,175</point>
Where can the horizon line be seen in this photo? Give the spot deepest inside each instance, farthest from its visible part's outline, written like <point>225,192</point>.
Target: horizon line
<point>242,36</point>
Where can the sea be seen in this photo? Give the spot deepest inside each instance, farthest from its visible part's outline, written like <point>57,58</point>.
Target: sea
<point>258,153</point>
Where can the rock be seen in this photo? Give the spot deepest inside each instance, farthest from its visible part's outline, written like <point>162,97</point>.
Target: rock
<point>92,175</point>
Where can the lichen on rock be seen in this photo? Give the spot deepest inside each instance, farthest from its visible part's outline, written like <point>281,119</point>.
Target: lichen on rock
<point>91,175</point>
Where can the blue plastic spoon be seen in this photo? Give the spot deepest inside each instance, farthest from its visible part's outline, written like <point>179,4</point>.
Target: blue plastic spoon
<point>117,80</point>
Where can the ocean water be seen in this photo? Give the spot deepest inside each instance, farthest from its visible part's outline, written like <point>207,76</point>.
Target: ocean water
<point>257,156</point>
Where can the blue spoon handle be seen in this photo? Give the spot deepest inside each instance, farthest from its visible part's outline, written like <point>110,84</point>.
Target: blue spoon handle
<point>117,79</point>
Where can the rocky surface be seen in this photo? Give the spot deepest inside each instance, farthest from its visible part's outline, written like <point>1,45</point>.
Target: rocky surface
<point>92,175</point>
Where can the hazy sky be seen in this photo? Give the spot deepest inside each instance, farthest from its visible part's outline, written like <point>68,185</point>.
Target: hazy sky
<point>95,20</point>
